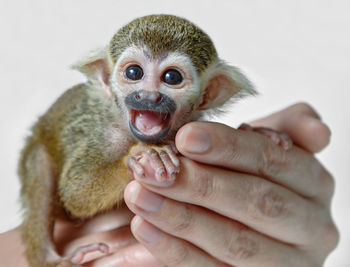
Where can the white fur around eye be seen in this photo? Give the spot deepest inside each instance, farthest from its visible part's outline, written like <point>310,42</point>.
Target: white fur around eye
<point>179,62</point>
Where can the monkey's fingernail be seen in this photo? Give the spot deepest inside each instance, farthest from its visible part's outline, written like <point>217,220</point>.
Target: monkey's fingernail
<point>159,178</point>
<point>172,176</point>
<point>160,175</point>
<point>140,172</point>
<point>175,161</point>
<point>193,139</point>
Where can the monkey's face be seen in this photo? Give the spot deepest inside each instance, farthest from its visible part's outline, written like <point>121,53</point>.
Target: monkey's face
<point>158,93</point>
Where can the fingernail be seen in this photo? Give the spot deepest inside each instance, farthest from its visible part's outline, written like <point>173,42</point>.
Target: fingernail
<point>194,140</point>
<point>144,198</point>
<point>145,231</point>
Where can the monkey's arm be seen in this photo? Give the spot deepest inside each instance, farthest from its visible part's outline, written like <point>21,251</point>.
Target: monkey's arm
<point>85,193</point>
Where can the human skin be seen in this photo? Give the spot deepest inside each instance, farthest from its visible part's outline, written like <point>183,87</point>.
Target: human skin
<point>274,212</point>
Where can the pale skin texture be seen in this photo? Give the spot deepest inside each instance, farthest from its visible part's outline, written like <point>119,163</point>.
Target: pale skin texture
<point>274,212</point>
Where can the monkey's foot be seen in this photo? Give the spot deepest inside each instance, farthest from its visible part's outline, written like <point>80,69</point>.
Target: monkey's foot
<point>78,256</point>
<point>278,138</point>
<point>159,163</point>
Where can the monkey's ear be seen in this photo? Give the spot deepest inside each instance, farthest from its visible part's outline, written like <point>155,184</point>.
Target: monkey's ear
<point>96,66</point>
<point>224,82</point>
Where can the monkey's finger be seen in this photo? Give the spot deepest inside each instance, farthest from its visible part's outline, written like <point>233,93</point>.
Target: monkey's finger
<point>174,158</point>
<point>171,169</point>
<point>250,152</point>
<point>302,123</point>
<point>135,167</point>
<point>222,238</point>
<point>157,164</point>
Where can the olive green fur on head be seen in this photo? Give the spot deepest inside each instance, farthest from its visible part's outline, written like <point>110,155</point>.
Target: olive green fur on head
<point>165,33</point>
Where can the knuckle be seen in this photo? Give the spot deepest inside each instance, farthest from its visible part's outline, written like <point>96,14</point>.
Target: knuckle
<point>229,153</point>
<point>328,184</point>
<point>240,246</point>
<point>324,234</point>
<point>271,204</point>
<point>183,220</point>
<point>334,237</point>
<point>330,236</point>
<point>268,203</point>
<point>304,107</point>
<point>310,260</point>
<point>202,184</point>
<point>177,256</point>
<point>271,160</point>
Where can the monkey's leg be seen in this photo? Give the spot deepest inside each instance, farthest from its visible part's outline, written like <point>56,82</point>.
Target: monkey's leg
<point>279,138</point>
<point>162,163</point>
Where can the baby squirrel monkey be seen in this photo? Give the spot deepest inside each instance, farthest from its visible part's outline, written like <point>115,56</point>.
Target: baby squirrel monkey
<point>157,73</point>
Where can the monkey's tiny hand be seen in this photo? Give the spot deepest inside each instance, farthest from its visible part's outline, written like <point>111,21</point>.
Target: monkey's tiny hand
<point>279,138</point>
<point>161,163</point>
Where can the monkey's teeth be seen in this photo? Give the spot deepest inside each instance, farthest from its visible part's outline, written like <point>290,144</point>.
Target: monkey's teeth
<point>149,122</point>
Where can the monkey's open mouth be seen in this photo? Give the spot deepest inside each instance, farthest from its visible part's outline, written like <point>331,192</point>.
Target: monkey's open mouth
<point>149,126</point>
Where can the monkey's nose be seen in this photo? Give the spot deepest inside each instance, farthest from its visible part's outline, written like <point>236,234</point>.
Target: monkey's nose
<point>152,96</point>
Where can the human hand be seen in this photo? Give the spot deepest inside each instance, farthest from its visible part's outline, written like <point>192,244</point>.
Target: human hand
<point>242,200</point>
<point>299,121</point>
<point>302,123</point>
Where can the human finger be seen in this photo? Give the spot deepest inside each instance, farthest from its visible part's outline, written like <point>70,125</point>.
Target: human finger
<point>262,205</point>
<point>302,123</point>
<point>168,249</point>
<point>250,152</point>
<point>222,238</point>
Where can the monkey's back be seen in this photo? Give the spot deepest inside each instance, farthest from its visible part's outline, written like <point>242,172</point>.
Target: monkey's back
<point>50,125</point>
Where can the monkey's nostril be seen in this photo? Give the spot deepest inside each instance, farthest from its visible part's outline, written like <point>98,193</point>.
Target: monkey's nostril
<point>137,96</point>
<point>159,98</point>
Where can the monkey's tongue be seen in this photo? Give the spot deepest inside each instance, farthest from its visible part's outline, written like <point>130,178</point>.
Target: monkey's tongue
<point>149,122</point>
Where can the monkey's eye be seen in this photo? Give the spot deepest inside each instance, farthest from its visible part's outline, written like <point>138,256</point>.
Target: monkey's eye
<point>134,73</point>
<point>172,77</point>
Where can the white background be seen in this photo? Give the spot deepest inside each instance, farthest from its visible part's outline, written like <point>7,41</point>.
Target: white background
<point>292,51</point>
